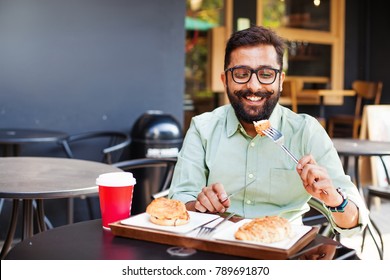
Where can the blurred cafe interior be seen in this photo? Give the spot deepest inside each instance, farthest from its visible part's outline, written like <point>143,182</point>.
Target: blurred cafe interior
<point>98,65</point>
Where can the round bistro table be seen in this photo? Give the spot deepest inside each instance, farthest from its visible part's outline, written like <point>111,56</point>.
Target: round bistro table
<point>37,178</point>
<point>11,139</point>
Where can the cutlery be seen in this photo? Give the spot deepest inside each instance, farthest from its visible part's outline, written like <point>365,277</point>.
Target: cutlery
<point>278,138</point>
<point>205,231</point>
<point>236,192</point>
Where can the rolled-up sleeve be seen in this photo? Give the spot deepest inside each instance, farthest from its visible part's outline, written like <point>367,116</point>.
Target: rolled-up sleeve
<point>327,156</point>
<point>190,172</point>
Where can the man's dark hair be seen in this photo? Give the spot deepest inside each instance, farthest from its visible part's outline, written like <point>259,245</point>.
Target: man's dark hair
<point>253,36</point>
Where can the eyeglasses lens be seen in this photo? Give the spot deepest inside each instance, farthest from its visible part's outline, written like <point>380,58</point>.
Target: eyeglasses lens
<point>264,75</point>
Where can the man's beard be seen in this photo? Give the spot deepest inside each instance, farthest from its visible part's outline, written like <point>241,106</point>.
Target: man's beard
<point>257,113</point>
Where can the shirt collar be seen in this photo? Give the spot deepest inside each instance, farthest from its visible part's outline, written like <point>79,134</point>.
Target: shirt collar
<point>276,117</point>
<point>232,123</point>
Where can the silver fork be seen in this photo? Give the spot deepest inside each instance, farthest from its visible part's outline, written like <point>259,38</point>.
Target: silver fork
<point>205,230</point>
<point>278,138</point>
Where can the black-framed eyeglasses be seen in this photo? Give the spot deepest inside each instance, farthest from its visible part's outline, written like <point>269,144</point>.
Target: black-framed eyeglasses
<point>243,74</point>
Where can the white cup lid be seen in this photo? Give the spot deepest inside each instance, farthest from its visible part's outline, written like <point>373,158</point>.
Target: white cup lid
<point>116,179</point>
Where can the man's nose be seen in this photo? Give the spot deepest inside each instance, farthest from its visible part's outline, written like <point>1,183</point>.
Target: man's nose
<point>254,83</point>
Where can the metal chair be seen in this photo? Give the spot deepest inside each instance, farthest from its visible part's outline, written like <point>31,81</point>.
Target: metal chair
<point>153,182</point>
<point>383,193</point>
<point>101,146</point>
<point>367,92</point>
<point>320,217</point>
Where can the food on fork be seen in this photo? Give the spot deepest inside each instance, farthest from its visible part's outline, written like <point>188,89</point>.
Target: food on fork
<point>268,229</point>
<point>261,125</point>
<point>168,212</point>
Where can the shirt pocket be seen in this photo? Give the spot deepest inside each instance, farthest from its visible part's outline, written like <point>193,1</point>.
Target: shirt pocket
<point>285,187</point>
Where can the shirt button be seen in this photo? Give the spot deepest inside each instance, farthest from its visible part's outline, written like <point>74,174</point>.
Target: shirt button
<point>250,176</point>
<point>252,144</point>
<point>248,202</point>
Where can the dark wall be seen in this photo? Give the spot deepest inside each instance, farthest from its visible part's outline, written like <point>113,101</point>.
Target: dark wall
<point>366,44</point>
<point>379,47</point>
<point>80,65</point>
<point>366,49</point>
<point>244,11</point>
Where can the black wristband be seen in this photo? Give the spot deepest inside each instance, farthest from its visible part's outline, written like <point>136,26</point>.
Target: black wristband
<point>341,207</point>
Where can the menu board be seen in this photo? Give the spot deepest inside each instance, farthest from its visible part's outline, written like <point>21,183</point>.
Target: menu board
<point>376,127</point>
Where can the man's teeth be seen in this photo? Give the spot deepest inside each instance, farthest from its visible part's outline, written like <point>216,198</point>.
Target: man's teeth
<point>254,98</point>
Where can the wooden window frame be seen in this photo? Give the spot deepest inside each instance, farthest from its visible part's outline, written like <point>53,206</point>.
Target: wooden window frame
<point>335,38</point>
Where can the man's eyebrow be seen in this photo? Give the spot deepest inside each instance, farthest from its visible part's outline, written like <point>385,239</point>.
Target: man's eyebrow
<point>259,67</point>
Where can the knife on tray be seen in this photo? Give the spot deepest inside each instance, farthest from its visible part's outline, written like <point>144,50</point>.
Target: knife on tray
<point>236,192</point>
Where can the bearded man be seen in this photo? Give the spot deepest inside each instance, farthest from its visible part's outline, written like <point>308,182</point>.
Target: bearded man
<point>222,152</point>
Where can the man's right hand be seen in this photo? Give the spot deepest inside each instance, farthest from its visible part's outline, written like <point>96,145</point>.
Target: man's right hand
<point>210,200</point>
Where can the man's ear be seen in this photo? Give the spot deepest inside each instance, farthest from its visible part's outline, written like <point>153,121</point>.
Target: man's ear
<point>223,79</point>
<point>282,77</point>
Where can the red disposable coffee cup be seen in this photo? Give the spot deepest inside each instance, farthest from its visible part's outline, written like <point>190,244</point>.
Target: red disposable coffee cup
<point>115,196</point>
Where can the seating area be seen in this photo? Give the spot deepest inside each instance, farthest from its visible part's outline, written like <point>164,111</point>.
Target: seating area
<point>343,125</point>
<point>363,93</point>
<point>110,152</point>
<point>109,147</point>
<point>106,103</point>
<point>379,214</point>
<point>101,146</point>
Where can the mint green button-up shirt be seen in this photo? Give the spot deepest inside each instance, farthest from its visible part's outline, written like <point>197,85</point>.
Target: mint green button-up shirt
<point>216,149</point>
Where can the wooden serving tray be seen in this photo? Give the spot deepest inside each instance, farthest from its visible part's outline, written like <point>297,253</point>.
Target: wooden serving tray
<point>216,246</point>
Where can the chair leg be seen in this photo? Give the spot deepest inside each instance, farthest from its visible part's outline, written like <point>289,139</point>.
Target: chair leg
<point>330,128</point>
<point>380,250</point>
<point>371,227</point>
<point>363,239</point>
<point>368,203</point>
<point>11,229</point>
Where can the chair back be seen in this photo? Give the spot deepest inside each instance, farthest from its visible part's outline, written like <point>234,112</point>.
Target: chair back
<point>320,216</point>
<point>289,95</point>
<point>153,175</point>
<point>103,146</point>
<point>367,92</point>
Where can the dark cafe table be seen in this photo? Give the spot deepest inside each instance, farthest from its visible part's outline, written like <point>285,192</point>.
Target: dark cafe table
<point>350,147</point>
<point>39,178</point>
<point>11,139</point>
<point>88,241</point>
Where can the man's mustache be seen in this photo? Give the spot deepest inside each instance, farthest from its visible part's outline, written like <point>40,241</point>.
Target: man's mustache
<point>246,93</point>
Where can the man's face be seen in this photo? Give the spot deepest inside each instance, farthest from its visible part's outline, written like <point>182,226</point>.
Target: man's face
<point>253,101</point>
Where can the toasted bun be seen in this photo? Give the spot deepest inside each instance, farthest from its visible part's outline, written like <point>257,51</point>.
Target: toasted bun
<point>168,212</point>
<point>261,125</point>
<point>267,230</point>
<point>168,222</point>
